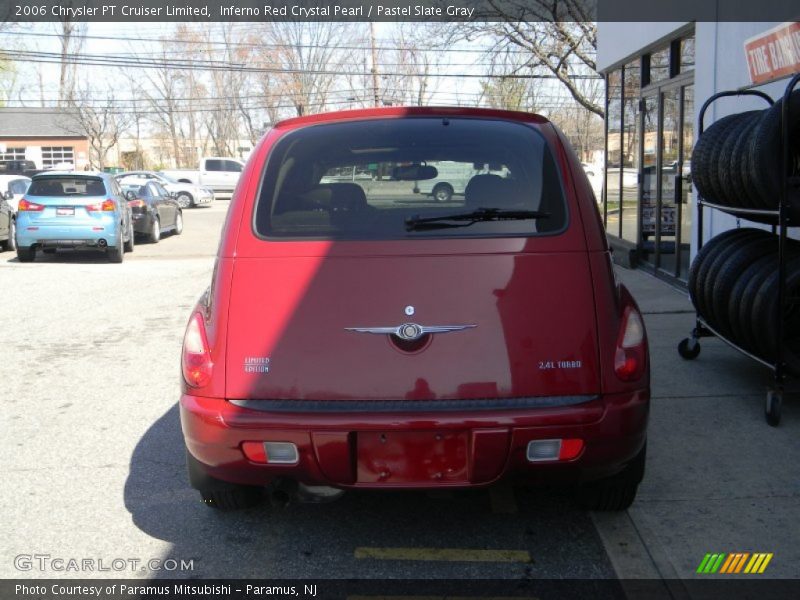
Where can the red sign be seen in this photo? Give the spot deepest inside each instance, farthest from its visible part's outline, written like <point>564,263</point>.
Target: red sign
<point>774,54</point>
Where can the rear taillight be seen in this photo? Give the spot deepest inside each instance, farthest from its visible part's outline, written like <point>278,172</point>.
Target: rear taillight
<point>105,206</point>
<point>630,358</point>
<point>196,357</point>
<point>137,203</point>
<point>28,206</point>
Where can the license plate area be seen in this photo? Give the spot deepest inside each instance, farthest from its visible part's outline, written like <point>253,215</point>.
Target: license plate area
<point>412,457</point>
<point>65,211</point>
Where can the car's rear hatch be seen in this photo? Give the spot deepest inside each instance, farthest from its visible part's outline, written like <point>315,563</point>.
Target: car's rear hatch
<point>319,268</point>
<point>530,327</point>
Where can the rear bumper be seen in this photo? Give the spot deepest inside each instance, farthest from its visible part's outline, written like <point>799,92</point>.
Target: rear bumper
<point>613,429</point>
<point>66,236</point>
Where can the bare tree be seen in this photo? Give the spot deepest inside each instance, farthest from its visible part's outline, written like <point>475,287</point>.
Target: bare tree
<point>309,57</point>
<point>414,63</point>
<point>559,36</point>
<point>71,36</point>
<point>97,119</point>
<point>503,90</point>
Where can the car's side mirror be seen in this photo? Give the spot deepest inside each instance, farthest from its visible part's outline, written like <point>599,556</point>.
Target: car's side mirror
<point>7,195</point>
<point>130,195</point>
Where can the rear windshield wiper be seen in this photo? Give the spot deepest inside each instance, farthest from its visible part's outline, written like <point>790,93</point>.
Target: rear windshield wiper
<point>417,223</point>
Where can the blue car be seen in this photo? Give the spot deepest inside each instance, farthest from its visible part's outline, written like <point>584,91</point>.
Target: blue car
<point>74,210</point>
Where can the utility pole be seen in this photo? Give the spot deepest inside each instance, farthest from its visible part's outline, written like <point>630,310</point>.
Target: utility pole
<point>374,64</point>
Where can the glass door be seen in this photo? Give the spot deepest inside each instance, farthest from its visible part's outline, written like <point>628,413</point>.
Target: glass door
<point>665,193</point>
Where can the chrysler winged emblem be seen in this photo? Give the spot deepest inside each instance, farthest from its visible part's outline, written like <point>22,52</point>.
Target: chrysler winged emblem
<point>410,331</point>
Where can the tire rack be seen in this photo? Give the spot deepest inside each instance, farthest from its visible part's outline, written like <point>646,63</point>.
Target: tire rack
<point>689,348</point>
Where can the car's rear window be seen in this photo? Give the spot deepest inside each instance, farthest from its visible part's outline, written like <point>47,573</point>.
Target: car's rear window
<point>354,180</point>
<point>67,186</point>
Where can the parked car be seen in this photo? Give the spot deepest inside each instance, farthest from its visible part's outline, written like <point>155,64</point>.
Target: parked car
<point>358,341</point>
<point>13,187</point>
<point>74,210</point>
<point>7,223</point>
<point>219,173</point>
<point>452,178</point>
<point>187,194</point>
<point>154,210</point>
<point>18,167</point>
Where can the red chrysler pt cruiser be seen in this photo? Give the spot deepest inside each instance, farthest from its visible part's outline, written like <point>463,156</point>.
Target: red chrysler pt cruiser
<point>358,333</point>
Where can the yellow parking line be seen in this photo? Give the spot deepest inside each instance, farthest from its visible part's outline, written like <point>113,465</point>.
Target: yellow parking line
<point>444,554</point>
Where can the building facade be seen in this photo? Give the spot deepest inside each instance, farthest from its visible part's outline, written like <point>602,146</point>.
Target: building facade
<point>46,136</point>
<point>658,75</point>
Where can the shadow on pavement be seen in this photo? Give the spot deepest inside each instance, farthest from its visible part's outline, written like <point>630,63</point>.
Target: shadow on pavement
<point>319,541</point>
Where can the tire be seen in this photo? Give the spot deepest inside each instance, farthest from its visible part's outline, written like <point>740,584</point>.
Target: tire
<point>185,200</point>
<point>736,300</point>
<point>155,231</point>
<point>219,494</point>
<point>689,349</point>
<point>765,316</point>
<point>765,166</point>
<point>178,224</point>
<point>617,492</point>
<point>748,327</point>
<point>26,254</point>
<point>718,290</point>
<point>720,155</point>
<point>129,245</point>
<point>702,159</point>
<point>747,196</point>
<point>116,254</point>
<point>701,262</point>
<point>729,169</point>
<point>442,192</point>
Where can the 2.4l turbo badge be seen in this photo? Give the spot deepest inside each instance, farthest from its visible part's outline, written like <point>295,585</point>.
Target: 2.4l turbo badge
<point>256,364</point>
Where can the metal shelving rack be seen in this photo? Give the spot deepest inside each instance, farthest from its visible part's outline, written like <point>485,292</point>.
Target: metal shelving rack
<point>689,348</point>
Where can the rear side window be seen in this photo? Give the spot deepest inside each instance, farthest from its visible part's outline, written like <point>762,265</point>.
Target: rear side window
<point>18,186</point>
<point>214,165</point>
<point>67,186</point>
<point>232,166</point>
<point>411,178</point>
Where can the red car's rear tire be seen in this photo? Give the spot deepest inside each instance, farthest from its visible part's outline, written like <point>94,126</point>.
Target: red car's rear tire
<point>219,494</point>
<point>617,492</point>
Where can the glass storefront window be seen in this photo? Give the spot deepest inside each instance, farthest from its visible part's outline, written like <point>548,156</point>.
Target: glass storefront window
<point>629,179</point>
<point>687,55</point>
<point>614,154</point>
<point>659,65</point>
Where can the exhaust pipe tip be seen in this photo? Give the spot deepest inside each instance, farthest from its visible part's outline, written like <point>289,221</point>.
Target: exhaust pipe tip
<point>102,243</point>
<point>282,492</point>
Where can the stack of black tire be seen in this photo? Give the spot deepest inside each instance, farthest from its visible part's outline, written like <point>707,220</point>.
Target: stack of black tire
<point>733,284</point>
<point>738,162</point>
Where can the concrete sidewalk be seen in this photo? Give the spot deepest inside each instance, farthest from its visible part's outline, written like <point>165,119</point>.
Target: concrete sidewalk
<point>718,478</point>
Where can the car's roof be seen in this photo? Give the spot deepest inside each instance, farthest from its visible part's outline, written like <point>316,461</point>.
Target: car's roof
<point>130,173</point>
<point>8,176</point>
<point>397,112</point>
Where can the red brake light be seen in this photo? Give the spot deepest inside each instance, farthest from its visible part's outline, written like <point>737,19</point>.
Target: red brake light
<point>29,206</point>
<point>196,357</point>
<point>137,203</point>
<point>630,358</point>
<point>106,206</point>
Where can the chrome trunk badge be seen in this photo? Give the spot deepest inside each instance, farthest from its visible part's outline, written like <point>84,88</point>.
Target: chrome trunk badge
<point>410,331</point>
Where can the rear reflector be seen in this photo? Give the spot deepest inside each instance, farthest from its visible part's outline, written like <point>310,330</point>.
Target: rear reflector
<point>274,453</point>
<point>542,450</point>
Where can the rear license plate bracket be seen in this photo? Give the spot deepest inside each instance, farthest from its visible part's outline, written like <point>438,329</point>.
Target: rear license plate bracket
<point>65,211</point>
<point>412,457</point>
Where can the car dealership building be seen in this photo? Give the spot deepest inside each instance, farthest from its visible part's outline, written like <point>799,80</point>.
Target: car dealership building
<point>658,75</point>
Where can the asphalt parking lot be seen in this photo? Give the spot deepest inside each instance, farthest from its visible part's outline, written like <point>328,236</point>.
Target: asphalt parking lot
<point>93,455</point>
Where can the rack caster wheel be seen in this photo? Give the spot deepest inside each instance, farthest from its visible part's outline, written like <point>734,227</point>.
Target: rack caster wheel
<point>689,348</point>
<point>772,410</point>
